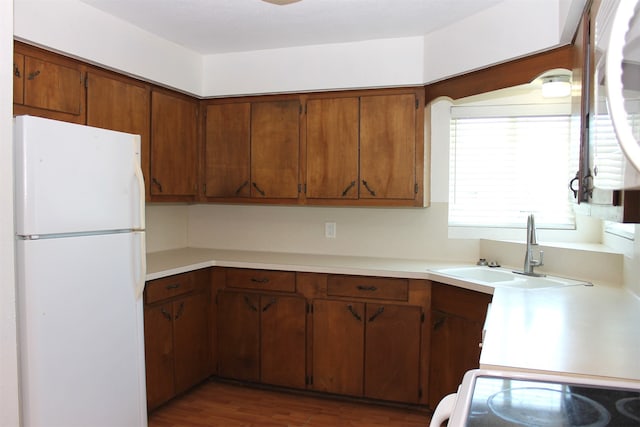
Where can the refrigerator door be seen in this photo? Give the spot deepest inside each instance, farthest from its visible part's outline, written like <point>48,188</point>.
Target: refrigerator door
<point>81,331</point>
<point>74,179</point>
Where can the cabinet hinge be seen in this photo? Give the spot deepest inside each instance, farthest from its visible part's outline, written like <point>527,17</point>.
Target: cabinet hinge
<point>419,393</point>
<point>417,103</point>
<point>308,380</point>
<point>204,189</point>
<point>86,81</point>
<point>422,317</point>
<point>309,308</point>
<point>302,188</point>
<point>416,188</point>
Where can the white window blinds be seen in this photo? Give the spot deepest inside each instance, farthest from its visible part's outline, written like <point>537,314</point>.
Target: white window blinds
<point>504,167</point>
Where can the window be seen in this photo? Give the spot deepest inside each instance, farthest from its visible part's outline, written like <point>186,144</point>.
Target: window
<point>507,162</point>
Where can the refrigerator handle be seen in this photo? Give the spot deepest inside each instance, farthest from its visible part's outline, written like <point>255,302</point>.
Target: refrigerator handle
<point>141,205</point>
<point>140,265</point>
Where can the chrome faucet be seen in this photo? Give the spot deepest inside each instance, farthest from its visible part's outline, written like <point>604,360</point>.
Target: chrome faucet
<point>532,240</point>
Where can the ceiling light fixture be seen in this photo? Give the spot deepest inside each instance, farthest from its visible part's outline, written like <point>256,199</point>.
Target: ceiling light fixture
<point>556,86</point>
<point>281,2</point>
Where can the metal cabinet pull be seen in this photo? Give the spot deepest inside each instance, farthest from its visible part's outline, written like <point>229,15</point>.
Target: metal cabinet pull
<point>157,183</point>
<point>248,302</point>
<point>439,323</point>
<point>378,312</point>
<point>260,280</point>
<point>33,75</point>
<point>349,187</point>
<point>244,184</point>
<point>16,71</point>
<point>367,288</point>
<point>165,313</point>
<point>258,189</point>
<point>173,286</point>
<point>370,190</point>
<point>180,310</point>
<point>269,304</point>
<point>353,312</point>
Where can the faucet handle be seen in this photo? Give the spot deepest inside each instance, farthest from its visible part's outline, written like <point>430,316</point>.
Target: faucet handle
<point>541,258</point>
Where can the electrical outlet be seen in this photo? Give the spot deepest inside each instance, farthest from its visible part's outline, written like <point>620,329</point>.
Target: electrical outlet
<point>330,230</point>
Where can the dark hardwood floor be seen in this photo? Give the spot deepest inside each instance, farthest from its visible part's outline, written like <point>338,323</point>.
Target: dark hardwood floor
<point>222,404</point>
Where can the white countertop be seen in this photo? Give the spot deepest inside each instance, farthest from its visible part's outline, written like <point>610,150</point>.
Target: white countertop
<point>576,330</point>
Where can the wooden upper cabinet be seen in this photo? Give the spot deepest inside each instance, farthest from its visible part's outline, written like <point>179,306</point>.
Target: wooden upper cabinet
<point>119,104</point>
<point>174,146</point>
<point>332,148</point>
<point>388,146</point>
<point>227,150</point>
<point>52,86</point>
<point>18,78</point>
<point>275,144</point>
<point>47,85</point>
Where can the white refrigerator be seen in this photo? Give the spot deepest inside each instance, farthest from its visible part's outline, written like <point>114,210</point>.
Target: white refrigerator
<point>80,246</point>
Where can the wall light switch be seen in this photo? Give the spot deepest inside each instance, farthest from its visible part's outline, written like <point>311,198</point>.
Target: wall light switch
<point>330,230</point>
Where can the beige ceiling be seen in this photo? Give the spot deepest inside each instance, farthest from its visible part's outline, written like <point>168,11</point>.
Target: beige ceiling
<point>218,26</point>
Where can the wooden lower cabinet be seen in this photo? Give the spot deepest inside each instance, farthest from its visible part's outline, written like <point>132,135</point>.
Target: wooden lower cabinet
<point>457,319</point>
<point>176,327</point>
<point>367,349</point>
<point>262,337</point>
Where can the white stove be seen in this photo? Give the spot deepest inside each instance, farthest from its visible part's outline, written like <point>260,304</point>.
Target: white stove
<point>505,398</point>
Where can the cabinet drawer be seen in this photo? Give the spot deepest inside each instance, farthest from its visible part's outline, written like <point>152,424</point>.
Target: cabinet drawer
<point>460,302</point>
<point>167,287</point>
<point>267,280</point>
<point>368,287</point>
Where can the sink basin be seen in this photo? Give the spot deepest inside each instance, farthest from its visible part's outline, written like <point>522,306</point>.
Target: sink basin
<point>500,277</point>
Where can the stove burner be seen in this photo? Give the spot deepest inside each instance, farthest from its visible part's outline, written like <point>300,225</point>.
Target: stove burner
<point>533,406</point>
<point>629,407</point>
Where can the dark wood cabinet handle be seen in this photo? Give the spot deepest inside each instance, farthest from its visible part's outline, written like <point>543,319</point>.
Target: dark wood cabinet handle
<point>439,323</point>
<point>349,187</point>
<point>249,304</point>
<point>180,310</point>
<point>378,312</point>
<point>157,183</point>
<point>244,184</point>
<point>353,312</point>
<point>33,75</point>
<point>258,189</point>
<point>369,189</point>
<point>367,288</point>
<point>269,304</point>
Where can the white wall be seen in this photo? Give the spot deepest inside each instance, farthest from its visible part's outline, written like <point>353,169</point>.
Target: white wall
<point>81,31</point>
<point>510,29</point>
<point>9,412</point>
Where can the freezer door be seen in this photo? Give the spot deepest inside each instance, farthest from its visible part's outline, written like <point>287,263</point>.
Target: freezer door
<point>81,331</point>
<point>72,178</point>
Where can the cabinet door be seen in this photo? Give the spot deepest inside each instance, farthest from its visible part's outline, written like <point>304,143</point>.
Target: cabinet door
<point>332,148</point>
<point>275,144</point>
<point>227,150</point>
<point>455,350</point>
<point>18,78</point>
<point>52,86</point>
<point>174,154</point>
<point>239,335</point>
<point>191,340</point>
<point>158,339</point>
<point>392,352</point>
<point>388,146</point>
<point>282,336</point>
<point>338,346</point>
<point>119,105</point>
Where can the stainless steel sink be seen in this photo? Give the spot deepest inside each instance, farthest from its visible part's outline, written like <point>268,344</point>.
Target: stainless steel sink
<point>503,278</point>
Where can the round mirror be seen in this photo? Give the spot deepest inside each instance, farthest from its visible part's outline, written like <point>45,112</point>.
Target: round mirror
<point>623,78</point>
